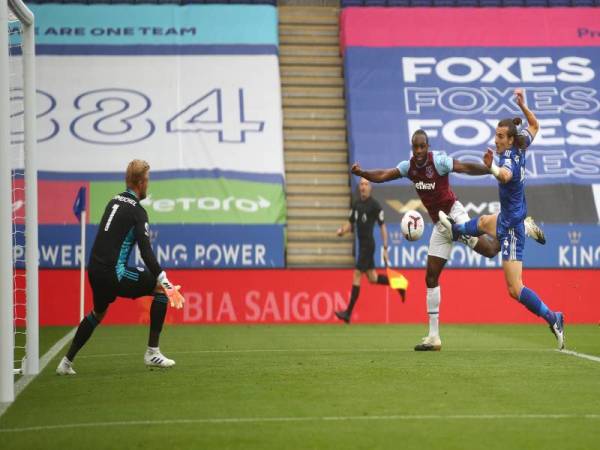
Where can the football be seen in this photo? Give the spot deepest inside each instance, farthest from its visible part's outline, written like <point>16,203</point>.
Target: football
<point>412,225</point>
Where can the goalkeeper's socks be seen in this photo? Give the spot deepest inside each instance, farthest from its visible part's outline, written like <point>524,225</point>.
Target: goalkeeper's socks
<point>469,227</point>
<point>84,331</point>
<point>534,304</point>
<point>158,311</point>
<point>382,279</point>
<point>353,299</point>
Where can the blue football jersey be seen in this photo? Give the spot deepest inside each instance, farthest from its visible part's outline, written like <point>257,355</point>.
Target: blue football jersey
<point>513,205</point>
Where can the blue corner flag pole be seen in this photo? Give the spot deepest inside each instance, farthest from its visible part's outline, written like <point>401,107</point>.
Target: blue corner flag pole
<point>79,211</point>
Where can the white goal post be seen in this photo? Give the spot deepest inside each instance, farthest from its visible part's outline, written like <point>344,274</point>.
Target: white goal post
<point>11,10</point>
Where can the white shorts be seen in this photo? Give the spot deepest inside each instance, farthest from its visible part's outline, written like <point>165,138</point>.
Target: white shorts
<point>440,243</point>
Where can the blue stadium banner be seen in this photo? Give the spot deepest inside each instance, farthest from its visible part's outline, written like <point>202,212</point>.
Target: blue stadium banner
<point>459,98</point>
<point>567,247</point>
<point>192,246</point>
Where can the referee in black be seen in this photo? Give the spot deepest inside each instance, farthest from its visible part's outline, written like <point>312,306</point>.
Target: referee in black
<point>124,223</point>
<point>365,212</point>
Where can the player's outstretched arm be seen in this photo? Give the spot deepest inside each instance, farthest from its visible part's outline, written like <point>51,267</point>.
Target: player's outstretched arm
<point>533,125</point>
<point>502,174</point>
<point>469,168</point>
<point>376,175</point>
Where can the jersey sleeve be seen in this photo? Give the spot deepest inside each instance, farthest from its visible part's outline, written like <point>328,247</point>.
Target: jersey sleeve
<point>507,163</point>
<point>380,218</point>
<point>403,167</point>
<point>142,236</point>
<point>443,163</point>
<point>527,135</point>
<point>352,215</point>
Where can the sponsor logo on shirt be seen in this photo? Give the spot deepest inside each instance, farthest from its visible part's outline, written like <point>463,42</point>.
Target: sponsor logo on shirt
<point>422,186</point>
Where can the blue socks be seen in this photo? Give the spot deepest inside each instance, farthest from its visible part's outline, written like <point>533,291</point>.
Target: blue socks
<point>534,304</point>
<point>469,228</point>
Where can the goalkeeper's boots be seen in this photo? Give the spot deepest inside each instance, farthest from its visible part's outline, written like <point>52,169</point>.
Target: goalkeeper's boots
<point>448,224</point>
<point>65,367</point>
<point>558,330</point>
<point>154,358</point>
<point>429,344</point>
<point>534,231</point>
<point>343,315</point>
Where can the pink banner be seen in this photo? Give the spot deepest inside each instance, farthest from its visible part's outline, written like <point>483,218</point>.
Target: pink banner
<point>470,27</point>
<point>312,296</point>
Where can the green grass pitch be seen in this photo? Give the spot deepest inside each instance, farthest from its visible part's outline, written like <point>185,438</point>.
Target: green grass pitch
<point>316,387</point>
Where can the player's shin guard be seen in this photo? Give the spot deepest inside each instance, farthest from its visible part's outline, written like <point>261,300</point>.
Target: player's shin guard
<point>433,309</point>
<point>469,228</point>
<point>533,303</point>
<point>84,331</point>
<point>383,279</point>
<point>158,311</point>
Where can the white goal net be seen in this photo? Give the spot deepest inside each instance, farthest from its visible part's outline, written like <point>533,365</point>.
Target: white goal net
<point>18,199</point>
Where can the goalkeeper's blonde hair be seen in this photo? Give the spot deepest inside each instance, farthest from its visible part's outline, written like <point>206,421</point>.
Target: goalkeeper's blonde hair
<point>136,171</point>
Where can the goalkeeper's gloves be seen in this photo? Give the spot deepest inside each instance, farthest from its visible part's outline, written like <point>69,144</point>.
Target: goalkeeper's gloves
<point>172,292</point>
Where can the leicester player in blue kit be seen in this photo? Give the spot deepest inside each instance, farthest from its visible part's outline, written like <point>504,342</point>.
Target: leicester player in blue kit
<point>508,226</point>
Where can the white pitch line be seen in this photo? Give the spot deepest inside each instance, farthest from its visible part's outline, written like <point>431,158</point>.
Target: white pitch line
<point>580,355</point>
<point>319,350</point>
<point>244,420</point>
<point>24,381</point>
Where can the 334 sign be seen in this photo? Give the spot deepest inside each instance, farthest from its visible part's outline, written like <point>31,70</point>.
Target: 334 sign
<point>117,116</point>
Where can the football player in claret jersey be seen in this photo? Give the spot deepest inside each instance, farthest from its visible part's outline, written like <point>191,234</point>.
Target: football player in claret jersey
<point>429,172</point>
<point>363,215</point>
<point>124,224</point>
<point>508,226</point>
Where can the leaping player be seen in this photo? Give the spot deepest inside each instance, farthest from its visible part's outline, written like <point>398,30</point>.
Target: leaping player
<point>509,225</point>
<point>429,172</point>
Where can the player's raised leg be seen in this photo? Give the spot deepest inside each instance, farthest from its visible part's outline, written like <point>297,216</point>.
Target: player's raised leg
<point>534,231</point>
<point>531,301</point>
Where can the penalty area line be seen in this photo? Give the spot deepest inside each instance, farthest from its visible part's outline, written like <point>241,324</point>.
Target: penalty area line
<point>580,355</point>
<point>252,420</point>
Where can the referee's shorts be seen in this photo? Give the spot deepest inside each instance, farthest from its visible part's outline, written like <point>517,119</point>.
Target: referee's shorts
<point>366,256</point>
<point>107,285</point>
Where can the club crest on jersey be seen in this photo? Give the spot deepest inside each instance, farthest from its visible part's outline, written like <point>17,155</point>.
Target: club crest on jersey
<point>429,171</point>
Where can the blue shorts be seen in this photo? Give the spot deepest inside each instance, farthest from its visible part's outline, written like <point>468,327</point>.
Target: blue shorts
<point>512,240</point>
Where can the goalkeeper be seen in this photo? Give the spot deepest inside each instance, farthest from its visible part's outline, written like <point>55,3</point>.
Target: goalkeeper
<point>125,223</point>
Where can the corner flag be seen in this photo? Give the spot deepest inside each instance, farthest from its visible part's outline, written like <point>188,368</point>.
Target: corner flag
<point>79,204</point>
<point>79,211</point>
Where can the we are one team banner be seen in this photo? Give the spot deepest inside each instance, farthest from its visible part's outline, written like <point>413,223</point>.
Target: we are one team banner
<point>195,91</point>
<point>452,72</point>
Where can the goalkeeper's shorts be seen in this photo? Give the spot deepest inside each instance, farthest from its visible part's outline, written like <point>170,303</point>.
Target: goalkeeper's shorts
<point>132,282</point>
